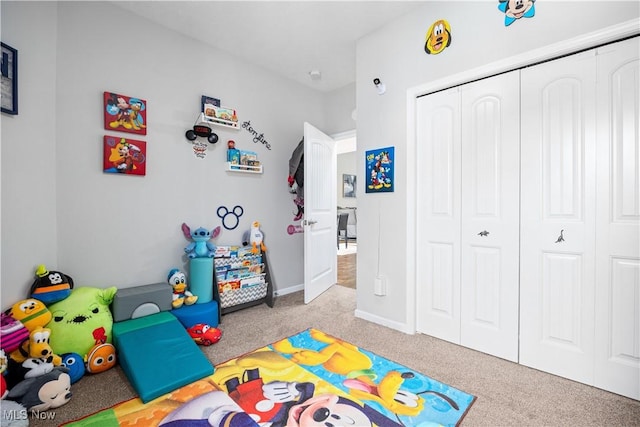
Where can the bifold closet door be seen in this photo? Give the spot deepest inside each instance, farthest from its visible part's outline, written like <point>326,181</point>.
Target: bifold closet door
<point>490,209</point>
<point>438,215</point>
<point>467,219</point>
<point>557,246</point>
<point>617,364</point>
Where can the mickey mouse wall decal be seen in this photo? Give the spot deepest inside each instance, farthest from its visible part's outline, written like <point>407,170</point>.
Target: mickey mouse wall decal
<point>225,215</point>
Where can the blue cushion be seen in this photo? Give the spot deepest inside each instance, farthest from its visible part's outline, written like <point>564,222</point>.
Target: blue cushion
<point>158,355</point>
<point>190,315</point>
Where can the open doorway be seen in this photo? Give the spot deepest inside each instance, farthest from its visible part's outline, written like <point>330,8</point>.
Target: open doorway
<point>346,204</point>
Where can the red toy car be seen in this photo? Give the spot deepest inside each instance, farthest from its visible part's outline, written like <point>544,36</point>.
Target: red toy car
<point>204,334</point>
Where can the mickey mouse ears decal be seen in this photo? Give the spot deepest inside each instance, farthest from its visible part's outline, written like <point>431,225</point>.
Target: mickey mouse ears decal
<point>438,37</point>
<point>516,9</point>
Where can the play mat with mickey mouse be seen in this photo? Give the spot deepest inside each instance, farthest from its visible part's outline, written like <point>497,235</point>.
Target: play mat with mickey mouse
<point>309,379</point>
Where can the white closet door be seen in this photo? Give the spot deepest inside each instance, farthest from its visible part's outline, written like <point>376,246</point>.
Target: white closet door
<point>558,217</point>
<point>617,233</point>
<point>490,215</point>
<point>438,215</point>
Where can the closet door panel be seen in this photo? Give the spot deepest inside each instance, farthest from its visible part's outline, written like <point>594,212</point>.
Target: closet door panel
<point>438,215</point>
<point>618,233</point>
<point>558,217</point>
<point>490,215</point>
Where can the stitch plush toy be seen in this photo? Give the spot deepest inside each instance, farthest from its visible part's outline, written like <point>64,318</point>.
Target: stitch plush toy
<point>201,247</point>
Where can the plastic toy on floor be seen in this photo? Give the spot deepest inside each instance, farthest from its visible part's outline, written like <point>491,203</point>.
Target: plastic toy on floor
<point>181,295</point>
<point>255,238</point>
<point>201,247</point>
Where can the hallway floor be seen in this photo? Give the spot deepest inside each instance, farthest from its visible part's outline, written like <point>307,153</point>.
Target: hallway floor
<point>347,265</point>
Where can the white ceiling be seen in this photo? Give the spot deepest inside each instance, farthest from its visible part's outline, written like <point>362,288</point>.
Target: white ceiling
<point>290,38</point>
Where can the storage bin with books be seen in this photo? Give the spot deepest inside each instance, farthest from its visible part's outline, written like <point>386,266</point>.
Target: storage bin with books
<point>242,278</point>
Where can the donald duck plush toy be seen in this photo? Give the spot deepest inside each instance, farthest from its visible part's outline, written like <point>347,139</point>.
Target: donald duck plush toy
<point>181,295</point>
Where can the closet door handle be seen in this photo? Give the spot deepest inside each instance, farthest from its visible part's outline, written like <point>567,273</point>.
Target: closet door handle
<point>483,233</point>
<point>310,222</point>
<point>560,237</point>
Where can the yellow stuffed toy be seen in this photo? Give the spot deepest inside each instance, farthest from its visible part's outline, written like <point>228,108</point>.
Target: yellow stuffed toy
<point>33,358</point>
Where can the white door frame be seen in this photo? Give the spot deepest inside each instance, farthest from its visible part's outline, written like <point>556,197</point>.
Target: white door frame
<point>589,40</point>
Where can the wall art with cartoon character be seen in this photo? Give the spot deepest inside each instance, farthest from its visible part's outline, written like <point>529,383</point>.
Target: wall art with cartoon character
<point>438,37</point>
<point>516,9</point>
<point>124,113</point>
<point>124,156</point>
<point>379,170</point>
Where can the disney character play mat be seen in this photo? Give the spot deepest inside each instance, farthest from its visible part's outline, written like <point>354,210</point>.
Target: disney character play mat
<point>309,379</point>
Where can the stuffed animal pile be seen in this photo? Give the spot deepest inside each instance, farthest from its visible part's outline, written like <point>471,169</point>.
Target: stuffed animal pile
<point>50,339</point>
<point>59,333</point>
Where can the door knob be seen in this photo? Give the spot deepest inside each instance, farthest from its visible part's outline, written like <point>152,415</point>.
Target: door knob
<point>309,222</point>
<point>560,237</point>
<point>483,233</point>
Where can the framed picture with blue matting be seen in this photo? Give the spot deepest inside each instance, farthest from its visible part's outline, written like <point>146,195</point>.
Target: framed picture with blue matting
<point>379,170</point>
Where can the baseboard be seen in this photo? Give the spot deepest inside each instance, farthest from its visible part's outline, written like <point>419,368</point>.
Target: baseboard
<point>289,290</point>
<point>398,326</point>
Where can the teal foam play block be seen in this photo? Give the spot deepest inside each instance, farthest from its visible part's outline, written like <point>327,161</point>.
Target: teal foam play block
<point>201,279</point>
<point>158,355</point>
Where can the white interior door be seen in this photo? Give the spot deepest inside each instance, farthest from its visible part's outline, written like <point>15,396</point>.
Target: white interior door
<point>438,215</point>
<point>558,217</point>
<point>320,227</point>
<point>618,218</point>
<point>489,283</point>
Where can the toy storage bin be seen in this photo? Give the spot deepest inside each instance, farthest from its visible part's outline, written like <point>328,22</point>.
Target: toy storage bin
<point>231,295</point>
<point>242,279</point>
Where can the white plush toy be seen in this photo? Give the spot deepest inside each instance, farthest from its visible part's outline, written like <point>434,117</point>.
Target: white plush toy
<point>255,237</point>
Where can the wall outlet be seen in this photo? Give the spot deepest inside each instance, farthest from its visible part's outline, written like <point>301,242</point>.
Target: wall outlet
<point>380,286</point>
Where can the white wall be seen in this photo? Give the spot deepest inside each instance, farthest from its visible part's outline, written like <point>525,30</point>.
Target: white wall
<point>338,108</point>
<point>28,145</point>
<point>395,54</point>
<point>59,208</point>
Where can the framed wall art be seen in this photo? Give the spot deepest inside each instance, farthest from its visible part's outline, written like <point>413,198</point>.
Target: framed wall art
<point>125,113</point>
<point>9,68</point>
<point>124,156</point>
<point>348,185</point>
<point>379,170</point>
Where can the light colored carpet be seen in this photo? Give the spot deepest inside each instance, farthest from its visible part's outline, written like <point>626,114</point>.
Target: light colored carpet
<point>508,394</point>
